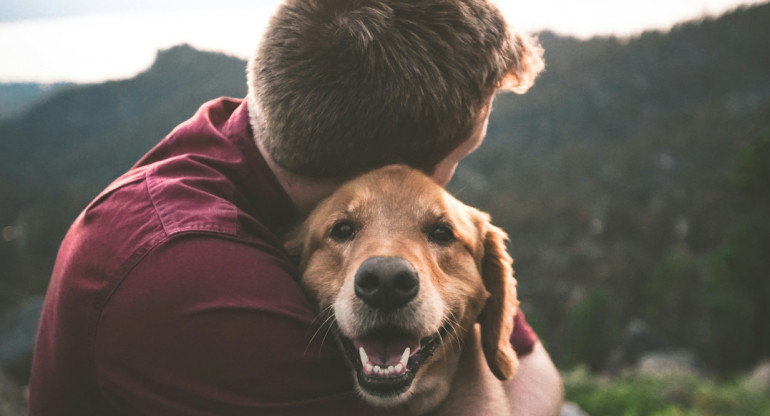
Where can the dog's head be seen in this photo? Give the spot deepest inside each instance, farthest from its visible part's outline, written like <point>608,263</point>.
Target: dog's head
<point>403,271</point>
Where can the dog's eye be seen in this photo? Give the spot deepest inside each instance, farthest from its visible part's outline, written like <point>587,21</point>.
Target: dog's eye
<point>343,231</point>
<point>441,234</point>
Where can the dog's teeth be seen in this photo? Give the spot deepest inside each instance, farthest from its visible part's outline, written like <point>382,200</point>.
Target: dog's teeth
<point>405,357</point>
<point>384,371</point>
<point>364,357</point>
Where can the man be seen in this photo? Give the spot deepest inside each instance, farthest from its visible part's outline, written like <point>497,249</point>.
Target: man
<point>172,294</point>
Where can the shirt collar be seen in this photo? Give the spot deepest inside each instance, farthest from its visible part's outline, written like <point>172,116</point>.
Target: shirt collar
<point>262,189</point>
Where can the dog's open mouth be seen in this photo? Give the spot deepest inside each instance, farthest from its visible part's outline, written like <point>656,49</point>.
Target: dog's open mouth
<point>387,359</point>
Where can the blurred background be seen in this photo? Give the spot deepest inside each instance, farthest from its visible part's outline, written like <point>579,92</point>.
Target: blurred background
<point>633,179</point>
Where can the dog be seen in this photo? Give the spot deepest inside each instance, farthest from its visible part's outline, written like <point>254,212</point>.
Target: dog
<point>402,271</point>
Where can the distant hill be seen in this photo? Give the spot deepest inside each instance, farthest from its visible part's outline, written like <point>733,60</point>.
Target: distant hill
<point>15,98</point>
<point>616,164</point>
<point>85,137</point>
<point>622,153</point>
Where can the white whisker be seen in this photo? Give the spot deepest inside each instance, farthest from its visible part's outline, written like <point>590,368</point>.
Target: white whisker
<point>455,329</point>
<point>328,329</point>
<point>328,313</point>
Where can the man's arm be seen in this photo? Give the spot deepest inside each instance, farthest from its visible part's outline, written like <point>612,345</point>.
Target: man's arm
<point>535,390</point>
<point>207,326</point>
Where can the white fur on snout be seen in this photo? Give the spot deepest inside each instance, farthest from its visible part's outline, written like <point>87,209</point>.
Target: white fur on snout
<point>422,317</point>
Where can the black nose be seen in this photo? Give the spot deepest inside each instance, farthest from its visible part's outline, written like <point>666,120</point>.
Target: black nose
<point>386,283</point>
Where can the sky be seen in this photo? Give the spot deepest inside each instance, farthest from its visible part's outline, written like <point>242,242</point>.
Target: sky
<point>89,41</point>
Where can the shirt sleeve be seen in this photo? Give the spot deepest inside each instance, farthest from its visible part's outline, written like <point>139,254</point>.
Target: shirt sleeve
<point>523,337</point>
<point>209,326</point>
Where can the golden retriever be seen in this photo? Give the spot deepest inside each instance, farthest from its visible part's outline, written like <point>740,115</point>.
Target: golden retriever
<point>402,271</point>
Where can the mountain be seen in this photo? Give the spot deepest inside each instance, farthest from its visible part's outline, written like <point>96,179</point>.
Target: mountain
<point>15,98</point>
<point>615,177</point>
<point>621,155</point>
<point>127,117</point>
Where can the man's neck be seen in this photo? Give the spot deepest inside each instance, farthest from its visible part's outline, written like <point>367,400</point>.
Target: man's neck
<point>305,193</point>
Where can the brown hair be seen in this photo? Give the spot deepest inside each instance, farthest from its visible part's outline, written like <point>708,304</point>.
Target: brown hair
<point>344,86</point>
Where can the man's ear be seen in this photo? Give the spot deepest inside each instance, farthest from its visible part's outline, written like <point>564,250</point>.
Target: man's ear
<point>496,318</point>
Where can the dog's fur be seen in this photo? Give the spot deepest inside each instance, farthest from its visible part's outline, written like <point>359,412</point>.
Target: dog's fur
<point>394,212</point>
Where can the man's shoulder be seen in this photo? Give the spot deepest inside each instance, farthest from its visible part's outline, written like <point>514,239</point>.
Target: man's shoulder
<point>247,274</point>
<point>191,196</point>
<point>178,195</point>
<point>179,218</point>
<point>145,205</point>
<point>151,205</point>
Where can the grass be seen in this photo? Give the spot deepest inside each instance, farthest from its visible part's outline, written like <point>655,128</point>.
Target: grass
<point>670,394</point>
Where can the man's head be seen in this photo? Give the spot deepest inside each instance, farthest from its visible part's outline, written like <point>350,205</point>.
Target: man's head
<point>339,87</point>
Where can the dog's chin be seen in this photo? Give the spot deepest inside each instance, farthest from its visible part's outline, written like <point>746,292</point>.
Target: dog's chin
<point>386,361</point>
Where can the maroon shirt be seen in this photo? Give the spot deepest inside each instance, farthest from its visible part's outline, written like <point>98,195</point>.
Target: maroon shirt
<point>172,295</point>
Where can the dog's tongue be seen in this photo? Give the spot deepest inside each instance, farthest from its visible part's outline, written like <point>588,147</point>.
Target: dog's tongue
<point>387,350</point>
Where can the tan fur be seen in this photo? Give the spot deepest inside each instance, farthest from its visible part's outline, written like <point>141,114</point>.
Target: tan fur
<point>466,281</point>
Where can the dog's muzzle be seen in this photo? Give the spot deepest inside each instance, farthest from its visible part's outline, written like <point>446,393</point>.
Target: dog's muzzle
<point>387,357</point>
<point>386,283</point>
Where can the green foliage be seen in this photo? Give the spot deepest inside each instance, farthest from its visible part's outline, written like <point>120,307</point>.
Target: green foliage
<point>735,296</point>
<point>719,298</point>
<point>752,176</point>
<point>669,394</point>
<point>737,286</point>
<point>592,329</point>
<point>670,293</point>
<point>669,283</point>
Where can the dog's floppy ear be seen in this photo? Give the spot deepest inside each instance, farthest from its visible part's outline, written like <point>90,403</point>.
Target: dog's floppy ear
<point>295,244</point>
<point>304,239</point>
<point>496,318</point>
